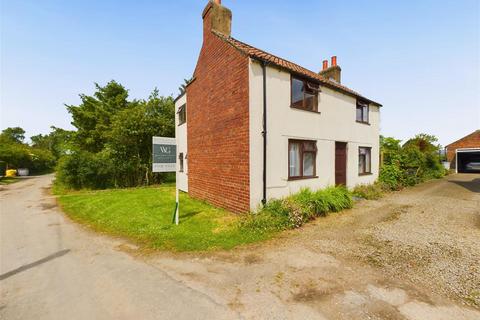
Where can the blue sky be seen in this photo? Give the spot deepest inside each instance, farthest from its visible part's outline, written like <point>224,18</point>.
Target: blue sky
<point>419,58</point>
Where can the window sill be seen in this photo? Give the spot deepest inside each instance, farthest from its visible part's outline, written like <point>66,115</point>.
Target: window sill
<point>301,178</point>
<point>362,122</point>
<point>181,124</point>
<point>301,109</point>
<point>365,174</point>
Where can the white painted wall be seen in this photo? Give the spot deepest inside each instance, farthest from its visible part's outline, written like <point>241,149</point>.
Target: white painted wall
<point>335,122</point>
<point>181,138</point>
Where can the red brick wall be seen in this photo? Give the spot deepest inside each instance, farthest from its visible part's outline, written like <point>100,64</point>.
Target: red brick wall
<point>470,141</point>
<point>218,126</point>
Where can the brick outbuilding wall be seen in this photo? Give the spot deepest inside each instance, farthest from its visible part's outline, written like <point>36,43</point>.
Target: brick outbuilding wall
<point>218,125</point>
<point>470,141</point>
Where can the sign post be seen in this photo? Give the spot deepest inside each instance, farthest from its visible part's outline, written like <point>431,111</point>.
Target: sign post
<point>165,160</point>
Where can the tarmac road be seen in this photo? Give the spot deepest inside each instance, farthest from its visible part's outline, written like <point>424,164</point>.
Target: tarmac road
<point>53,269</point>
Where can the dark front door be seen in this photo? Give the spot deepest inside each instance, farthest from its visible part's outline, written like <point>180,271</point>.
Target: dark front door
<point>340,163</point>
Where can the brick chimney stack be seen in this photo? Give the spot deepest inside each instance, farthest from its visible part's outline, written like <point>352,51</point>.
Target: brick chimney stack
<point>216,17</point>
<point>332,73</point>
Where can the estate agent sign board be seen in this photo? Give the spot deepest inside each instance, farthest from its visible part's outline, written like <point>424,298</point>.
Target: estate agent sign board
<point>164,153</point>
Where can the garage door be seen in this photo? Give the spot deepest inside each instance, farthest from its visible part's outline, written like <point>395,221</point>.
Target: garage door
<point>468,161</point>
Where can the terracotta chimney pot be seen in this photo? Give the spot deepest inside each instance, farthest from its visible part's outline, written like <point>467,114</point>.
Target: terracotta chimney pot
<point>334,61</point>
<point>325,64</point>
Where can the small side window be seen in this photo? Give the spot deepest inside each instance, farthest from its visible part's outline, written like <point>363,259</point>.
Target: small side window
<point>180,161</point>
<point>182,114</point>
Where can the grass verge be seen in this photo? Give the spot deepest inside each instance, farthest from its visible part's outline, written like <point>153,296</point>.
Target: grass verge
<point>144,215</point>
<point>8,180</point>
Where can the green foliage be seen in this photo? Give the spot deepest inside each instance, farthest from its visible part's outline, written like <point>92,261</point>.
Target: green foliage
<point>9,180</point>
<point>115,134</point>
<point>17,154</point>
<point>57,142</point>
<point>16,134</point>
<point>3,168</point>
<point>130,139</point>
<point>83,169</point>
<point>416,161</point>
<point>93,116</point>
<point>293,211</point>
<point>391,175</point>
<point>42,161</point>
<point>426,143</point>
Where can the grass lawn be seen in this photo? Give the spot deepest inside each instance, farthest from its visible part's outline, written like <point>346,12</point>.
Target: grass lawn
<point>145,216</point>
<point>8,180</point>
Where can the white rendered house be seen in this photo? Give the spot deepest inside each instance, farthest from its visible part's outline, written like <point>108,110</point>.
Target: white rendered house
<point>260,127</point>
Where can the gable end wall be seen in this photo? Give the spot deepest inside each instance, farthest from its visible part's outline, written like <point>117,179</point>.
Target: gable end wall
<point>470,141</point>
<point>218,127</point>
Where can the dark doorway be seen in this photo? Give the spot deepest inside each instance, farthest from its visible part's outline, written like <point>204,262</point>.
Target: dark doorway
<point>340,163</point>
<point>468,162</point>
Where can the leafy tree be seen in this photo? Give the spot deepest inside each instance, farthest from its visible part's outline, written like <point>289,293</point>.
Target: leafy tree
<point>390,149</point>
<point>57,141</point>
<point>92,117</point>
<point>15,134</point>
<point>424,142</point>
<point>130,139</point>
<point>112,146</point>
<point>17,154</point>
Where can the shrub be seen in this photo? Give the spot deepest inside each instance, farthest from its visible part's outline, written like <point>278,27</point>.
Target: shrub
<point>85,170</point>
<point>391,176</point>
<point>42,161</point>
<point>294,211</point>
<point>416,161</point>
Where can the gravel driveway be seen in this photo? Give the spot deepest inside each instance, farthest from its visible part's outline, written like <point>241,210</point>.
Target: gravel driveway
<point>414,254</point>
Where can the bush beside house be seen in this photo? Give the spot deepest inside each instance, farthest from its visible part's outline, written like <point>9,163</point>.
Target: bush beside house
<point>417,160</point>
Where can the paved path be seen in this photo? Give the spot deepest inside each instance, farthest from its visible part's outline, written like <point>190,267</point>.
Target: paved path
<point>52,269</point>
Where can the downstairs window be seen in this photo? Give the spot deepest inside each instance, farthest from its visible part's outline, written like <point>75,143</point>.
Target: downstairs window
<point>364,160</point>
<point>302,155</point>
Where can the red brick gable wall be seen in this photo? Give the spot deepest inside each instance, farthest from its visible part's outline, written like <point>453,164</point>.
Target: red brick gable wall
<point>218,126</point>
<point>470,141</point>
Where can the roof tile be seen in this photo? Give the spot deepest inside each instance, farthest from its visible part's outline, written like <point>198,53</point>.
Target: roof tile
<point>283,63</point>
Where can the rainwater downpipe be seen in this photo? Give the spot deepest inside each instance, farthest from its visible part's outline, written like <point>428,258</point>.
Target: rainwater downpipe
<point>264,131</point>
